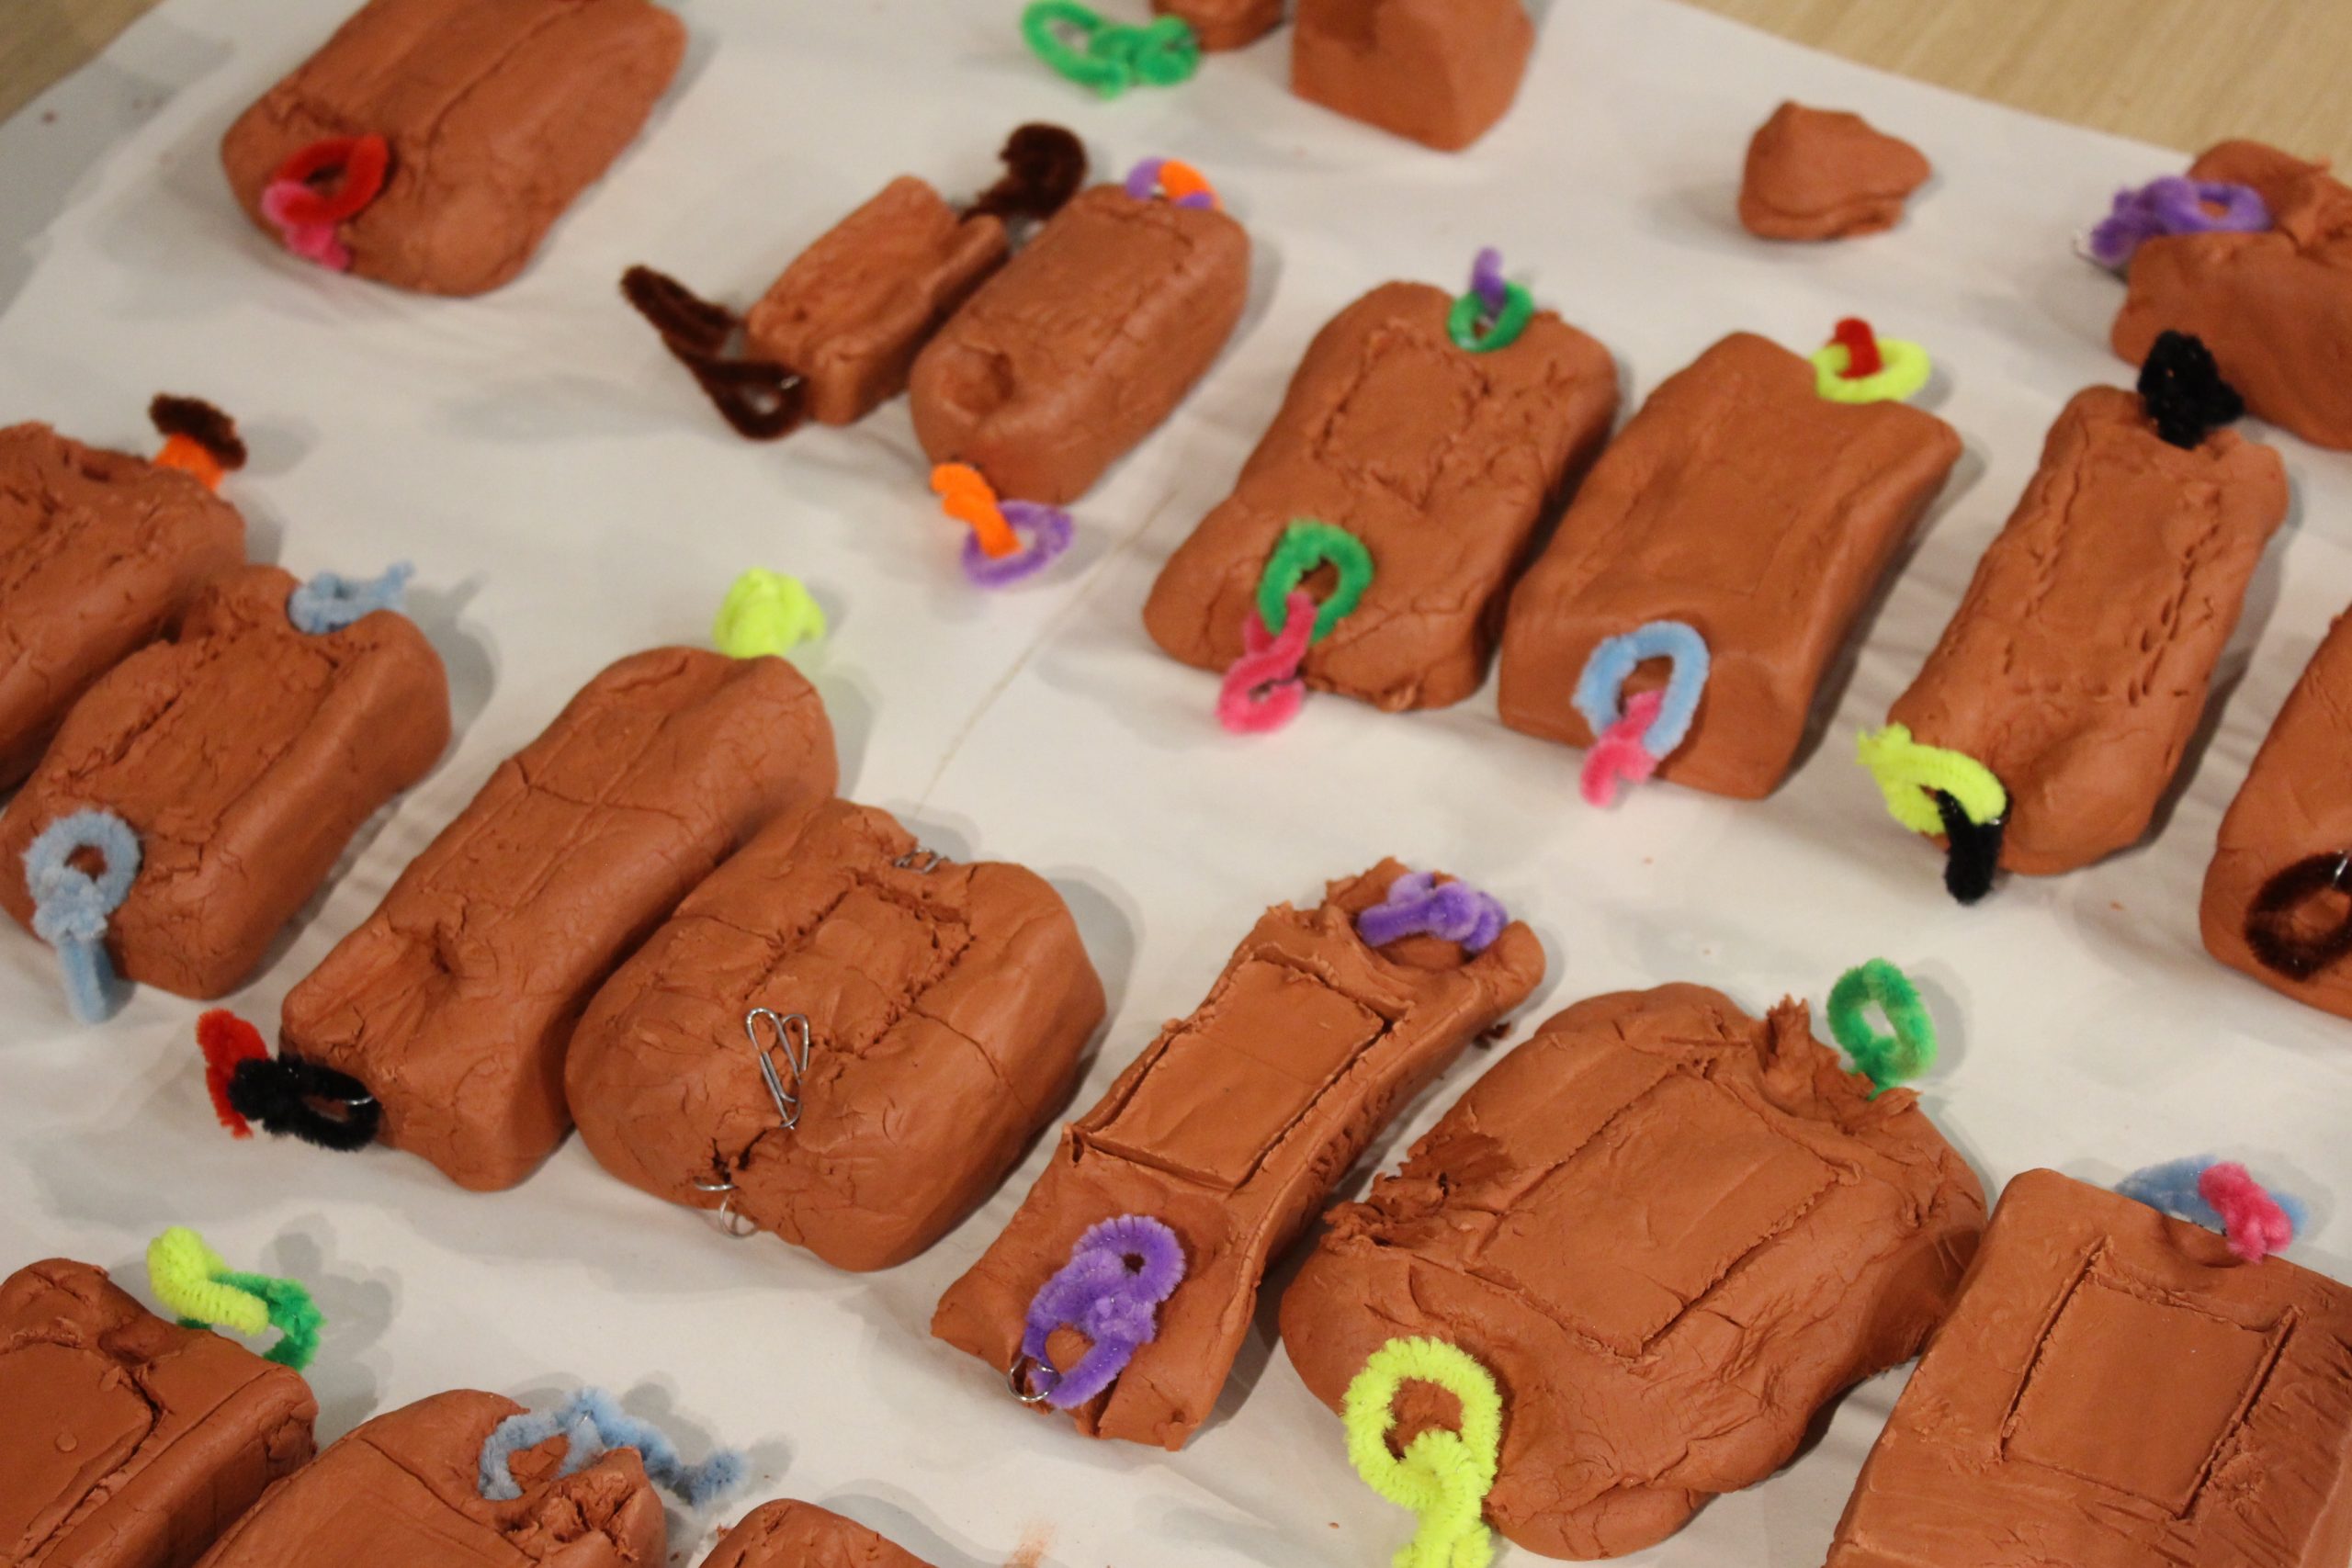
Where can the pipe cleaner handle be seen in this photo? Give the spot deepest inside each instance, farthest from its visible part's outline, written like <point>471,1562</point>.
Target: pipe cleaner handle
<point>591,1423</point>
<point>1262,690</point>
<point>2221,1195</point>
<point>330,600</point>
<point>1444,1476</point>
<point>1107,56</point>
<point>1857,366</point>
<point>1111,1290</point>
<point>1306,545</point>
<point>1886,1060</point>
<point>1630,747</point>
<point>766,613</point>
<point>1416,904</point>
<point>190,1277</point>
<point>71,907</point>
<point>1933,789</point>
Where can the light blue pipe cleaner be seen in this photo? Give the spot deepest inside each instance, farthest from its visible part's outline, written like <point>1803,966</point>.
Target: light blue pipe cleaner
<point>592,1422</point>
<point>329,602</point>
<point>1600,689</point>
<point>2171,1189</point>
<point>71,907</point>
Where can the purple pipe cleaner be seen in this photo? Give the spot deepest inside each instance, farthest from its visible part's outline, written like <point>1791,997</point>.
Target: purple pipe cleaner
<point>1486,280</point>
<point>1418,906</point>
<point>1047,530</point>
<point>1144,179</point>
<point>1110,1291</point>
<point>2175,205</point>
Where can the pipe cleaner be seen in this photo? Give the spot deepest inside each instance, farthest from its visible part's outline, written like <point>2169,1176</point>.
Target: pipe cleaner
<point>321,185</point>
<point>1444,1476</point>
<point>766,613</point>
<point>994,554</point>
<point>592,1423</point>
<point>1306,545</point>
<point>1178,181</point>
<point>1935,790</point>
<point>1417,905</point>
<point>1263,690</point>
<point>1885,1059</point>
<point>199,439</point>
<point>71,907</point>
<point>1107,56</point>
<point>1625,745</point>
<point>284,1095</point>
<point>1856,365</point>
<point>190,1277</point>
<point>2174,204</point>
<point>2219,1195</point>
<point>2275,932</point>
<point>329,602</point>
<point>2182,391</point>
<point>1110,1291</point>
<point>1492,311</point>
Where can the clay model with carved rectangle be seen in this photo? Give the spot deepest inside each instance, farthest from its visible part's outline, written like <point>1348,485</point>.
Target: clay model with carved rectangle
<point>2116,1389</point>
<point>129,1443</point>
<point>1231,1129</point>
<point>945,1008</point>
<point>1672,1233</point>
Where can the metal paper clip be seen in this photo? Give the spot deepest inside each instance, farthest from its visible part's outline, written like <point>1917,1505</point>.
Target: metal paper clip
<point>932,860</point>
<point>793,1034</point>
<point>1016,1377</point>
<point>734,1224</point>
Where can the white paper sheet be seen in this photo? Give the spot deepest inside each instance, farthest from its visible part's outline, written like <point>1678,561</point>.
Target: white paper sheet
<point>567,498</point>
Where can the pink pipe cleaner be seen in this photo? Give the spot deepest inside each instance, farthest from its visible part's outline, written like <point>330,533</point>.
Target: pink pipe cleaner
<point>1619,752</point>
<point>2253,1220</point>
<point>311,241</point>
<point>1262,690</point>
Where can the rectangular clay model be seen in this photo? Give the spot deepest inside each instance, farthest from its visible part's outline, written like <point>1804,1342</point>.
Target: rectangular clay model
<point>1082,344</point>
<point>1223,24</point>
<point>1672,1233</point>
<point>2115,1389</point>
<point>241,754</point>
<point>943,1009</point>
<point>1742,503</point>
<point>483,120</point>
<point>1439,72</point>
<point>453,1004</point>
<point>129,1442</point>
<point>801,1535</point>
<point>1230,1130</point>
<point>2275,306</point>
<point>1442,461</point>
<point>2277,900</point>
<point>99,552</point>
<point>2077,666</point>
<point>404,1490</point>
<point>850,313</point>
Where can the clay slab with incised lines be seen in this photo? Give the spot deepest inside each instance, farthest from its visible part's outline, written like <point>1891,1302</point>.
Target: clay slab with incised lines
<point>1673,1233</point>
<point>2115,1389</point>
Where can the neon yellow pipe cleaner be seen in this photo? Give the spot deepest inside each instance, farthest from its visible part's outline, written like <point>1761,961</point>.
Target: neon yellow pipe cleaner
<point>1906,770</point>
<point>190,1277</point>
<point>766,612</point>
<point>1906,370</point>
<point>1444,1476</point>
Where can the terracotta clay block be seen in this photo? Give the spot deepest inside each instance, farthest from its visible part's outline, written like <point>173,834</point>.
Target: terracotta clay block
<point>1672,1233</point>
<point>2277,900</point>
<point>801,1535</point>
<point>2275,308</point>
<point>2115,1389</point>
<point>1825,174</point>
<point>851,312</point>
<point>99,551</point>
<point>1225,24</point>
<point>947,1006</point>
<point>455,1002</point>
<point>2077,667</point>
<point>1439,71</point>
<point>499,113</point>
<point>1740,501</point>
<point>1082,344</point>
<point>1443,462</point>
<point>129,1442</point>
<point>1232,1128</point>
<point>404,1490</point>
<point>244,753</point>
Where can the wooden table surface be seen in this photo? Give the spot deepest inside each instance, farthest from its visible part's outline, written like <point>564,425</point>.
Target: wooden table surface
<point>2180,72</point>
